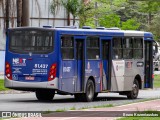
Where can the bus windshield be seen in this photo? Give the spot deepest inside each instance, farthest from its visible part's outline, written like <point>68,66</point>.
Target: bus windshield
<point>35,41</point>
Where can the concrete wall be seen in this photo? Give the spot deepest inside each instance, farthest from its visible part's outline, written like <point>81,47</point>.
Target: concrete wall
<point>2,63</point>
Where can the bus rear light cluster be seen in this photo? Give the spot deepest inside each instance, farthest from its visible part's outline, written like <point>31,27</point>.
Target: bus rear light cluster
<point>8,71</point>
<point>52,72</point>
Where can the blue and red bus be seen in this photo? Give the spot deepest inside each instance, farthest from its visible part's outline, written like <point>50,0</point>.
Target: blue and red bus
<point>80,62</point>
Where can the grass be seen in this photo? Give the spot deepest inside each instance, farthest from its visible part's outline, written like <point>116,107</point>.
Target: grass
<point>104,106</point>
<point>47,112</point>
<point>61,110</point>
<point>156,83</point>
<point>136,116</point>
<point>2,88</point>
<point>73,108</point>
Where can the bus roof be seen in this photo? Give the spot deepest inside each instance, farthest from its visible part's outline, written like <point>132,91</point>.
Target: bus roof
<point>104,32</point>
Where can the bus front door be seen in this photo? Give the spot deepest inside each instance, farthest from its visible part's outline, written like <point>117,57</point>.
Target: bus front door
<point>148,65</point>
<point>106,58</point>
<point>80,59</point>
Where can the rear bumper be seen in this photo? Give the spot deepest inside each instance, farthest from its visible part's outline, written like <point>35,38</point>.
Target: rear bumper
<point>31,85</point>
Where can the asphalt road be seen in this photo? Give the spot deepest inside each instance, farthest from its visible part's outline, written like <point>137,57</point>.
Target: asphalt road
<point>28,101</point>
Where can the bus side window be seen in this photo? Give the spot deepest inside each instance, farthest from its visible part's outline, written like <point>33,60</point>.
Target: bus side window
<point>93,50</point>
<point>67,47</point>
<point>138,48</point>
<point>127,48</point>
<point>117,48</point>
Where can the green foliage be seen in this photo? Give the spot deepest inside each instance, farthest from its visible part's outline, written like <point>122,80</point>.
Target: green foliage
<point>60,110</point>
<point>2,88</point>
<point>75,7</point>
<point>115,13</point>
<point>154,27</point>
<point>130,24</point>
<point>156,83</point>
<point>111,20</point>
<point>55,6</point>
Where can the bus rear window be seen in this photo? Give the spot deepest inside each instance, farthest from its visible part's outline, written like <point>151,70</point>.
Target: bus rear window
<point>35,41</point>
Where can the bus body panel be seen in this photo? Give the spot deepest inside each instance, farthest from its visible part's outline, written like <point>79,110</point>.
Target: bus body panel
<point>67,75</point>
<point>117,79</point>
<point>29,68</point>
<point>93,69</point>
<point>133,68</point>
<point>31,71</point>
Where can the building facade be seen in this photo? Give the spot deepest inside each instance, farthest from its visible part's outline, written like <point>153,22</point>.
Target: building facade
<point>39,15</point>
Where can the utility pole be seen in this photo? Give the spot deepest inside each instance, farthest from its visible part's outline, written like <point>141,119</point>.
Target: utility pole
<point>7,14</point>
<point>25,13</point>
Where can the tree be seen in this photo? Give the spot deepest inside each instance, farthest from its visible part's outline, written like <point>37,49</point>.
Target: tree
<point>19,13</point>
<point>130,24</point>
<point>75,7</point>
<point>7,14</point>
<point>111,20</point>
<point>154,27</point>
<point>149,7</point>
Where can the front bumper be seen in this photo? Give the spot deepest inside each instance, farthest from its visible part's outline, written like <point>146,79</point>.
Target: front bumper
<point>31,85</point>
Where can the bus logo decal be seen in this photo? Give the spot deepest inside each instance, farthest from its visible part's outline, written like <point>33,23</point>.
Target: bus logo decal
<point>19,62</point>
<point>15,77</point>
<point>88,70</point>
<point>66,69</point>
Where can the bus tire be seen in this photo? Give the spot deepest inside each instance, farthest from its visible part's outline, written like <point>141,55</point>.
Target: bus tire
<point>135,90</point>
<point>45,95</point>
<point>90,91</point>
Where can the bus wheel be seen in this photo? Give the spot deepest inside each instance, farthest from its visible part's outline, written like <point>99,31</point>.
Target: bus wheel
<point>135,90</point>
<point>45,95</point>
<point>89,95</point>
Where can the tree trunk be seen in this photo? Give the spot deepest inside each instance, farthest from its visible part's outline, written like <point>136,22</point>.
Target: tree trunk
<point>74,20</point>
<point>25,13</point>
<point>19,13</point>
<point>7,14</point>
<point>149,18</point>
<point>68,18</point>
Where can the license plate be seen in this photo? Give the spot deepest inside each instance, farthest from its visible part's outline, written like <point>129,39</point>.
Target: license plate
<point>29,78</point>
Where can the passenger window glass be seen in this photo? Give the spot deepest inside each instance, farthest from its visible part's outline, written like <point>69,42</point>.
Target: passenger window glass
<point>138,48</point>
<point>67,47</point>
<point>127,48</point>
<point>117,48</point>
<point>93,51</point>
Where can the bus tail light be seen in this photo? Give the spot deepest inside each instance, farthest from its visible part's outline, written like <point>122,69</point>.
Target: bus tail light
<point>152,76</point>
<point>8,71</point>
<point>52,72</point>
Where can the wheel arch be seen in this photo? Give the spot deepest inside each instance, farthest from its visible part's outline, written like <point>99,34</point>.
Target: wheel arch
<point>138,78</point>
<point>93,79</point>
